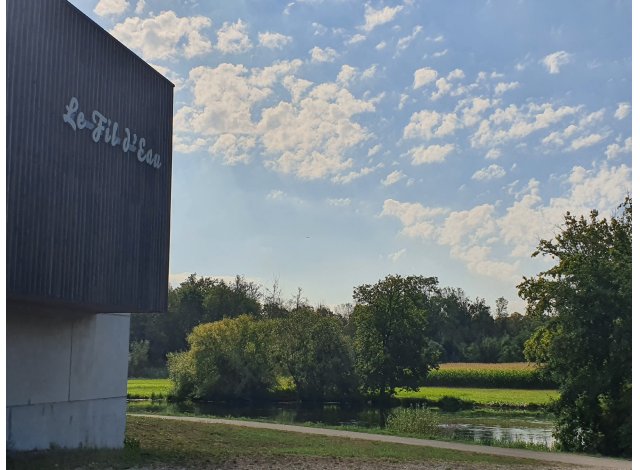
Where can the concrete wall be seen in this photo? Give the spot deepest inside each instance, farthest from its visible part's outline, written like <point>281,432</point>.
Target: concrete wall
<point>66,379</point>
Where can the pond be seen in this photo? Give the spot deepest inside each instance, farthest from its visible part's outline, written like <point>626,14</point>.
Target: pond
<point>485,426</point>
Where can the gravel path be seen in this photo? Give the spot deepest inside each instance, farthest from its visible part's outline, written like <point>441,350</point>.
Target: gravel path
<point>549,458</point>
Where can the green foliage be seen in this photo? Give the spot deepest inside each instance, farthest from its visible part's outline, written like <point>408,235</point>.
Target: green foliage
<point>227,360</point>
<point>392,345</point>
<point>586,343</point>
<point>197,300</point>
<point>138,358</point>
<point>490,378</point>
<point>415,420</point>
<point>317,356</point>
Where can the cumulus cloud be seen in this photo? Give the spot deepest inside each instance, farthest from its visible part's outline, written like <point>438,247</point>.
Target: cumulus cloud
<point>423,76</point>
<point>140,6</point>
<point>586,141</point>
<point>233,38</point>
<point>624,109</point>
<point>493,154</point>
<point>233,149</point>
<point>615,149</point>
<point>393,178</point>
<point>511,123</point>
<point>443,87</point>
<point>310,138</point>
<point>111,7</point>
<point>274,40</point>
<point>165,36</point>
<point>430,154</point>
<point>554,61</point>
<point>356,38</point>
<point>503,87</point>
<point>472,234</point>
<point>374,18</point>
<point>319,55</point>
<point>489,173</point>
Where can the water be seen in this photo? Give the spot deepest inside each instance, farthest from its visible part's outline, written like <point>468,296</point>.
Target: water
<point>480,426</point>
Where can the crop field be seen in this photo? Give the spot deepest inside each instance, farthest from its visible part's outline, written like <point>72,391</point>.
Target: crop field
<point>484,396</point>
<point>516,375</point>
<point>148,388</point>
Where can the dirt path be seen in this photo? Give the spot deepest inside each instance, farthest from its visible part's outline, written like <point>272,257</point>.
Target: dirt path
<point>550,457</point>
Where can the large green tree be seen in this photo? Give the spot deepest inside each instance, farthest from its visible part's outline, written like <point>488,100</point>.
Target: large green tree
<point>586,342</point>
<point>314,351</point>
<point>391,341</point>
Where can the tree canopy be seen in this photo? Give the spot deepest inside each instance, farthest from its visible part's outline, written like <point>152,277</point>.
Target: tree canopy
<point>586,343</point>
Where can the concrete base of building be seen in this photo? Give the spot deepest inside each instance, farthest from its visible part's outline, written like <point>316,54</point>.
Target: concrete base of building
<point>66,379</point>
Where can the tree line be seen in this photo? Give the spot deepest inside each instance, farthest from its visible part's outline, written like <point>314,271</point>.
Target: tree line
<point>465,329</point>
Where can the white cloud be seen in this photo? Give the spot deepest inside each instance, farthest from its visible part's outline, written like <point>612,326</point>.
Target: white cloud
<point>369,72</point>
<point>373,150</point>
<point>233,38</point>
<point>339,202</point>
<point>381,45</point>
<point>613,150</point>
<point>353,175</point>
<point>393,178</point>
<point>456,74</point>
<point>423,76</point>
<point>319,29</point>
<point>472,114</point>
<point>403,100</point>
<point>140,6</point>
<point>397,255</point>
<point>319,55</point>
<point>554,61</point>
<point>503,87</point>
<point>233,149</point>
<point>471,234</point>
<point>513,123</point>
<point>440,53</point>
<point>111,7</point>
<point>374,18</point>
<point>356,38</point>
<point>443,88</point>
<point>428,124</point>
<point>165,36</point>
<point>311,138</point>
<point>623,110</point>
<point>493,154</point>
<point>274,40</point>
<point>347,73</point>
<point>430,154</point>
<point>587,141</point>
<point>185,144</point>
<point>404,42</point>
<point>489,173</point>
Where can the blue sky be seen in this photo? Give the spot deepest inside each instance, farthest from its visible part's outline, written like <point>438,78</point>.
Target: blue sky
<point>328,143</point>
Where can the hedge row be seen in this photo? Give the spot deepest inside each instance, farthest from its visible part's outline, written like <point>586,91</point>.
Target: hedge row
<point>482,377</point>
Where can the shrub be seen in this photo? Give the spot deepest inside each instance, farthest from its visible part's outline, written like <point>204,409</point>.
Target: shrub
<point>416,420</point>
<point>227,360</point>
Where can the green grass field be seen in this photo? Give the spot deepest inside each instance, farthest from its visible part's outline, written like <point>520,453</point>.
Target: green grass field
<point>153,442</point>
<point>148,388</point>
<point>159,388</point>
<point>484,396</point>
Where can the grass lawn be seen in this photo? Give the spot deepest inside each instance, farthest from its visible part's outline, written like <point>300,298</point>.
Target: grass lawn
<point>145,388</point>
<point>484,396</point>
<point>194,445</point>
<point>159,388</point>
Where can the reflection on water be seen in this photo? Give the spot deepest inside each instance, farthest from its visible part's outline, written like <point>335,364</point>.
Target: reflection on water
<point>456,425</point>
<point>489,434</point>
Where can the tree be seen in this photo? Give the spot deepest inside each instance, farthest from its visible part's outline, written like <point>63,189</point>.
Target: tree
<point>586,342</point>
<point>228,359</point>
<point>392,346</point>
<point>316,354</point>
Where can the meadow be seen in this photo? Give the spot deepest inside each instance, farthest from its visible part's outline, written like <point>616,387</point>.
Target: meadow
<point>518,375</point>
<point>165,444</point>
